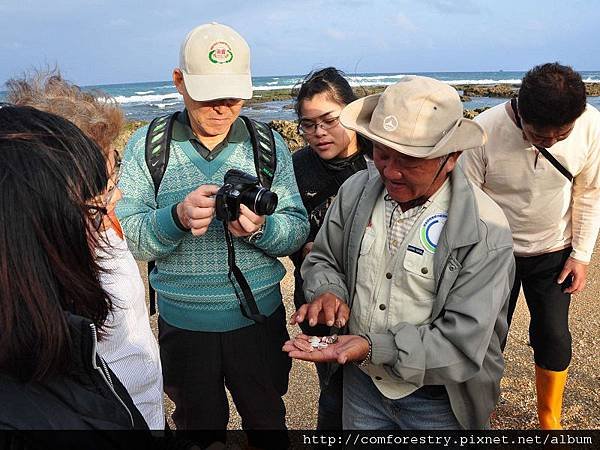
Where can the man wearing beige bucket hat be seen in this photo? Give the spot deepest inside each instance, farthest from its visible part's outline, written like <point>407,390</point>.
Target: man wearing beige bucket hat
<point>215,331</point>
<point>417,265</point>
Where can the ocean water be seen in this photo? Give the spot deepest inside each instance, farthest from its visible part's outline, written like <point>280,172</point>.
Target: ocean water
<point>144,101</point>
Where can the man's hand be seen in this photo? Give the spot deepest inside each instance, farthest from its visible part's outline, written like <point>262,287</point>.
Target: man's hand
<point>197,209</point>
<point>578,271</point>
<point>325,309</point>
<point>247,223</point>
<point>347,348</point>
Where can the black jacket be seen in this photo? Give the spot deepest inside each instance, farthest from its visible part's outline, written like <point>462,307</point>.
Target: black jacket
<point>89,397</point>
<point>318,183</point>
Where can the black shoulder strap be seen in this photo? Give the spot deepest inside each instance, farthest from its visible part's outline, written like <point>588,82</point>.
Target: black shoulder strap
<point>158,146</point>
<point>263,145</point>
<point>158,142</point>
<point>562,169</point>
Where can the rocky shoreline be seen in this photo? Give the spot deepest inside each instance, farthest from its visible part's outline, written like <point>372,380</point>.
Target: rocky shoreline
<point>289,131</point>
<point>465,90</point>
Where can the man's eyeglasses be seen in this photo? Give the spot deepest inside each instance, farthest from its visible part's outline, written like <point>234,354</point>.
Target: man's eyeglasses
<point>307,126</point>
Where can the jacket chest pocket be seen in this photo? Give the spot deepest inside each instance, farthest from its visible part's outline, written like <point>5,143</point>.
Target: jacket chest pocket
<point>367,257</point>
<point>418,274</point>
<point>413,294</point>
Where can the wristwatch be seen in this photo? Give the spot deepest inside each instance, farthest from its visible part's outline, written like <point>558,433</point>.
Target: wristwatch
<point>256,235</point>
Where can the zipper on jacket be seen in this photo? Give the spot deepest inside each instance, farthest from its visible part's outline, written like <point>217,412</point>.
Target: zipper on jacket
<point>106,374</point>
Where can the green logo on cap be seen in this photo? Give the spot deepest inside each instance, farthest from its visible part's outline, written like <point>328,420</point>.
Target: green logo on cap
<point>220,53</point>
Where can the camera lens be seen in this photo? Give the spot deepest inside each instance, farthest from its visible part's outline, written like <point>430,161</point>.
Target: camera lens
<point>265,203</point>
<point>260,200</point>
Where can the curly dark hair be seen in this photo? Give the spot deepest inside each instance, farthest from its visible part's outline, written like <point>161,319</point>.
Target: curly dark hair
<point>551,95</point>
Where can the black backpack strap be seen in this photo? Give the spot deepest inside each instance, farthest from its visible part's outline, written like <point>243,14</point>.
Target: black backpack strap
<point>158,143</point>
<point>544,151</point>
<point>263,145</point>
<point>151,291</point>
<point>158,146</point>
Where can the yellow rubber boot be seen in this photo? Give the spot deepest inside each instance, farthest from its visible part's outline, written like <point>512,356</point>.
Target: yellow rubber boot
<point>549,386</point>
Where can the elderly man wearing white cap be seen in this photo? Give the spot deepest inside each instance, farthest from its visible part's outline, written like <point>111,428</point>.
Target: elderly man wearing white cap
<point>416,264</point>
<point>214,330</point>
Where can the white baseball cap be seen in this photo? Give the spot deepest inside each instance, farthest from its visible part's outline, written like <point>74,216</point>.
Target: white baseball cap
<point>215,62</point>
<point>418,116</point>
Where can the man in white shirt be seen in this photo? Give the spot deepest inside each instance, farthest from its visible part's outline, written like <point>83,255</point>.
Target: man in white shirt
<point>541,164</point>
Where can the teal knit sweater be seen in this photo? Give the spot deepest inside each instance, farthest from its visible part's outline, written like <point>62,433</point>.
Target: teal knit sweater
<point>190,277</point>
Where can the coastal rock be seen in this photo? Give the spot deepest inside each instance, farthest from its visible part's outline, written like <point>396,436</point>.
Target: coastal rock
<point>497,90</point>
<point>362,91</point>
<point>465,98</point>
<point>289,131</point>
<point>126,132</point>
<point>592,89</point>
<point>472,113</point>
<point>269,96</point>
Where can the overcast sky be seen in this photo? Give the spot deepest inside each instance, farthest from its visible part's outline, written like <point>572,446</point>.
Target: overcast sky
<point>110,41</point>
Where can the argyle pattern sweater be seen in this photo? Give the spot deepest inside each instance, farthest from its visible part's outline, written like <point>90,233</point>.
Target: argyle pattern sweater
<point>190,276</point>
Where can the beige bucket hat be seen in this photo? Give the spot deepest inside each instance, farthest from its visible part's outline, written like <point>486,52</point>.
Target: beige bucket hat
<point>215,62</point>
<point>417,116</point>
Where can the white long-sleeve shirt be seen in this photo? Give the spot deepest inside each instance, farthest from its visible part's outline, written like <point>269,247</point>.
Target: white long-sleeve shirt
<point>546,212</point>
<point>130,349</point>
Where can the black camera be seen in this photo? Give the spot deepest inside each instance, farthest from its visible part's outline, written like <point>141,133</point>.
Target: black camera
<point>242,188</point>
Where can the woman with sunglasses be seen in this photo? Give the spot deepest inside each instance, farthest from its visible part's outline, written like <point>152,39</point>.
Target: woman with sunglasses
<point>53,307</point>
<point>332,155</point>
<point>130,348</point>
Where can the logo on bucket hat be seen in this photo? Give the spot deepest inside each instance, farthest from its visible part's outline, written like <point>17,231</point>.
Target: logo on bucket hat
<point>220,53</point>
<point>390,123</point>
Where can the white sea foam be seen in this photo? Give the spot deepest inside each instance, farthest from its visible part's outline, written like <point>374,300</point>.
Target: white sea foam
<point>164,105</point>
<point>144,92</point>
<point>273,88</point>
<point>386,80</point>
<point>149,98</point>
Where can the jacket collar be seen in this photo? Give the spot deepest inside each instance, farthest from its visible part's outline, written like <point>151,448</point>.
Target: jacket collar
<point>461,229</point>
<point>83,341</point>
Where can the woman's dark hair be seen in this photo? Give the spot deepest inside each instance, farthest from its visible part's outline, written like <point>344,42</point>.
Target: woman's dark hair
<point>328,80</point>
<point>332,82</point>
<point>49,172</point>
<point>551,95</point>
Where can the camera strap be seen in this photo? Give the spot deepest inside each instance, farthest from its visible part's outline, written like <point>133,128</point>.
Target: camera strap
<point>246,299</point>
